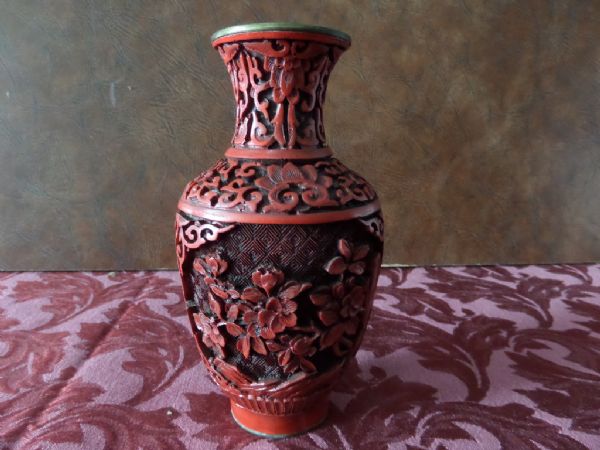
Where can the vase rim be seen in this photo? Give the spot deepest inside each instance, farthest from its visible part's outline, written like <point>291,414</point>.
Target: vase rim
<point>279,27</point>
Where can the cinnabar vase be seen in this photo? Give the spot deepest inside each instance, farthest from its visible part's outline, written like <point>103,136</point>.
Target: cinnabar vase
<point>279,244</point>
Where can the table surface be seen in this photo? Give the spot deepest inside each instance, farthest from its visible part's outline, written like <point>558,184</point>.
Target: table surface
<point>457,358</point>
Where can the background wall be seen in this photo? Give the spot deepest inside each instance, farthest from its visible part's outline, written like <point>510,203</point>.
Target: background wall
<point>478,122</point>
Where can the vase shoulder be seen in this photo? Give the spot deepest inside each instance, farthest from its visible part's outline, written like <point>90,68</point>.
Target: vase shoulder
<point>279,192</point>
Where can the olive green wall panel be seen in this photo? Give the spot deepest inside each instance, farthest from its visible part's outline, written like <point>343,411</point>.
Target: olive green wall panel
<point>477,122</point>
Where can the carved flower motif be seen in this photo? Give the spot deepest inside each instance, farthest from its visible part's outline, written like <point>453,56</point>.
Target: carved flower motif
<point>279,180</point>
<point>266,280</point>
<point>284,71</point>
<point>274,311</point>
<point>292,353</point>
<point>340,311</point>
<point>211,335</point>
<point>248,337</point>
<point>290,173</point>
<point>221,293</point>
<point>222,299</point>
<point>210,266</point>
<point>351,259</point>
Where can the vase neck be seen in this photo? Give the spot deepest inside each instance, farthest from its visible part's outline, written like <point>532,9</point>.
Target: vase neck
<point>279,86</point>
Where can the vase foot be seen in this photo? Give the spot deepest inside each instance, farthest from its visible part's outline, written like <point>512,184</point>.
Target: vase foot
<point>273,426</point>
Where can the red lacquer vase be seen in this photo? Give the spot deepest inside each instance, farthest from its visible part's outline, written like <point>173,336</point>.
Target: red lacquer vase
<point>279,244</point>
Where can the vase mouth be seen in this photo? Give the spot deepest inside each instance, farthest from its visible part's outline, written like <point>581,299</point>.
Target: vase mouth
<point>280,30</point>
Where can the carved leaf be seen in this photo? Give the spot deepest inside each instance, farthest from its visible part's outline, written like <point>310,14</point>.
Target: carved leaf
<point>215,306</point>
<point>276,325</point>
<point>267,281</point>
<point>256,277</point>
<point>284,357</point>
<point>198,267</point>
<point>289,320</point>
<point>259,346</point>
<point>267,333</point>
<point>360,252</point>
<point>351,326</point>
<point>264,317</point>
<point>328,317</point>
<point>218,291</point>
<point>233,312</point>
<point>243,345</point>
<point>278,120</point>
<point>357,268</point>
<point>302,346</point>
<point>345,249</point>
<point>274,346</point>
<point>287,82</point>
<point>232,373</point>
<point>307,366</point>
<point>332,336</point>
<point>288,306</point>
<point>320,298</point>
<point>336,266</point>
<point>293,289</point>
<point>234,329</point>
<point>217,265</point>
<point>311,173</point>
<point>338,290</point>
<point>252,294</point>
<point>250,317</point>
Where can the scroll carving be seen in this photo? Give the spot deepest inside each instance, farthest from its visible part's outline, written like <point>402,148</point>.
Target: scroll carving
<point>274,187</point>
<point>279,87</point>
<point>374,224</point>
<point>190,234</point>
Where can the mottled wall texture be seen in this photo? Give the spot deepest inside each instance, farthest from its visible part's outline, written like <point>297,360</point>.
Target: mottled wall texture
<point>478,122</point>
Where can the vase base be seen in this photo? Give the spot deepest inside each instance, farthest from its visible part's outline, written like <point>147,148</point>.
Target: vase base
<point>273,426</point>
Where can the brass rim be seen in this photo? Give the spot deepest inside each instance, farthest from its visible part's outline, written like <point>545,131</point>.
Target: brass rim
<point>279,26</point>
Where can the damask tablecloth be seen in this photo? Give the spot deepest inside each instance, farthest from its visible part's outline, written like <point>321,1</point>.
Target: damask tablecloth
<point>457,358</point>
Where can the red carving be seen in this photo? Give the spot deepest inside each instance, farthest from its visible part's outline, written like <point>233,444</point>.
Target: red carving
<point>374,225</point>
<point>224,186</point>
<point>256,231</point>
<point>341,305</point>
<point>351,259</point>
<point>261,318</point>
<point>211,335</point>
<point>276,187</point>
<point>293,353</point>
<point>279,181</point>
<point>258,312</point>
<point>350,185</point>
<point>191,234</point>
<point>279,87</point>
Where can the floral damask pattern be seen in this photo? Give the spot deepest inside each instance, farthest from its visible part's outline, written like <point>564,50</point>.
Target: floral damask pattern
<point>456,358</point>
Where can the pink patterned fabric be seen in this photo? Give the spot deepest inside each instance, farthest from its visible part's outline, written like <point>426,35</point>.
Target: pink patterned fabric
<point>467,357</point>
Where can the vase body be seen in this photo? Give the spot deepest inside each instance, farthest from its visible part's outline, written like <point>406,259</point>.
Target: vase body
<point>278,244</point>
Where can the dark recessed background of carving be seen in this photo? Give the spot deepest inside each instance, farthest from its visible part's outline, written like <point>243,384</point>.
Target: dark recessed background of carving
<point>477,123</point>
